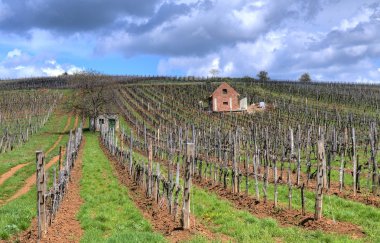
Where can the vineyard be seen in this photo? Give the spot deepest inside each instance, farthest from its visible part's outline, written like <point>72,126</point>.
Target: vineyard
<point>22,114</point>
<point>304,168</point>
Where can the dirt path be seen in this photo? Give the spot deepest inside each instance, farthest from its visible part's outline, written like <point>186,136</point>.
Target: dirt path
<point>31,181</point>
<point>11,172</point>
<point>16,168</point>
<point>76,121</point>
<point>65,226</point>
<point>60,136</point>
<point>159,218</point>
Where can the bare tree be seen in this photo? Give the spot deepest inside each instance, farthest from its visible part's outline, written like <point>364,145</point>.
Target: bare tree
<point>305,78</point>
<point>214,72</point>
<point>263,76</point>
<point>94,95</point>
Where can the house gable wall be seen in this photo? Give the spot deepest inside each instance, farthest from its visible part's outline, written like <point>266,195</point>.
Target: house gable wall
<point>225,101</point>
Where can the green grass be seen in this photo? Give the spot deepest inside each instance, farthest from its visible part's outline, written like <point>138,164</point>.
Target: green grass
<point>220,216</point>
<point>334,207</point>
<point>17,215</point>
<point>367,217</point>
<point>108,214</point>
<point>40,141</point>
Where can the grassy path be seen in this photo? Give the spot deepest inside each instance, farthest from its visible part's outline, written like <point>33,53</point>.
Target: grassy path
<point>17,215</point>
<point>108,214</point>
<point>20,181</point>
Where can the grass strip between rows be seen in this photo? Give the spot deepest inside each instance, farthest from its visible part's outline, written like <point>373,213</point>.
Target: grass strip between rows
<point>108,214</point>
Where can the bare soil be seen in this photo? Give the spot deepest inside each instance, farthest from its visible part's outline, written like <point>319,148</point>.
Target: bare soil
<point>285,217</point>
<point>31,181</point>
<point>11,172</point>
<point>65,226</point>
<point>347,192</point>
<point>364,196</point>
<point>16,168</point>
<point>159,217</point>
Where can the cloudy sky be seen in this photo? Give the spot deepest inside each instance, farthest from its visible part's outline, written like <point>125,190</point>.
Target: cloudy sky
<point>335,40</point>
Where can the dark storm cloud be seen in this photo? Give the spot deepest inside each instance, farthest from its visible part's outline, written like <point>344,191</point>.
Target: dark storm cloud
<point>166,12</point>
<point>70,15</point>
<point>200,28</point>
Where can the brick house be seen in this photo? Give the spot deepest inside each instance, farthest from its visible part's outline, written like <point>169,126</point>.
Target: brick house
<point>224,98</point>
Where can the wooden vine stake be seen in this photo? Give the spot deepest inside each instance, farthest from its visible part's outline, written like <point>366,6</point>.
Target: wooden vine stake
<point>41,190</point>
<point>150,168</point>
<point>373,141</point>
<point>320,179</point>
<point>185,219</point>
<point>303,199</point>
<point>354,161</point>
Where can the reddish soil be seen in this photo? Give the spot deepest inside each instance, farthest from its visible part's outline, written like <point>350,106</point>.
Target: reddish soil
<point>76,121</point>
<point>65,226</point>
<point>159,218</point>
<point>364,196</point>
<point>14,169</point>
<point>285,217</point>
<point>347,193</point>
<point>11,172</point>
<point>31,181</point>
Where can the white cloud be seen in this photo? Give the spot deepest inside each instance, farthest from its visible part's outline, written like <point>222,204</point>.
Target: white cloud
<point>330,39</point>
<point>19,64</point>
<point>14,53</point>
<point>363,16</point>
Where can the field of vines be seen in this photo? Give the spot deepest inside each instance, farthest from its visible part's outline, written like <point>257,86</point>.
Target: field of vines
<point>309,160</point>
<point>303,169</point>
<point>22,114</point>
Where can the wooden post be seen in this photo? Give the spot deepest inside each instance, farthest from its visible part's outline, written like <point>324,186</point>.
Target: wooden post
<point>354,161</point>
<point>308,152</point>
<point>341,172</point>
<point>299,156</point>
<point>373,141</point>
<point>185,219</point>
<point>303,199</point>
<point>131,154</point>
<point>41,190</point>
<point>275,182</point>
<point>255,171</point>
<point>320,176</point>
<point>234,170</point>
<point>157,184</point>
<point>150,165</point>
<point>60,158</point>
<point>246,173</point>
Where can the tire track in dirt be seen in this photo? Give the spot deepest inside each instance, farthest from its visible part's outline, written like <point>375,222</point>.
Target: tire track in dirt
<point>65,226</point>
<point>159,218</point>
<point>16,168</point>
<point>11,172</point>
<point>29,182</point>
<point>76,122</point>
